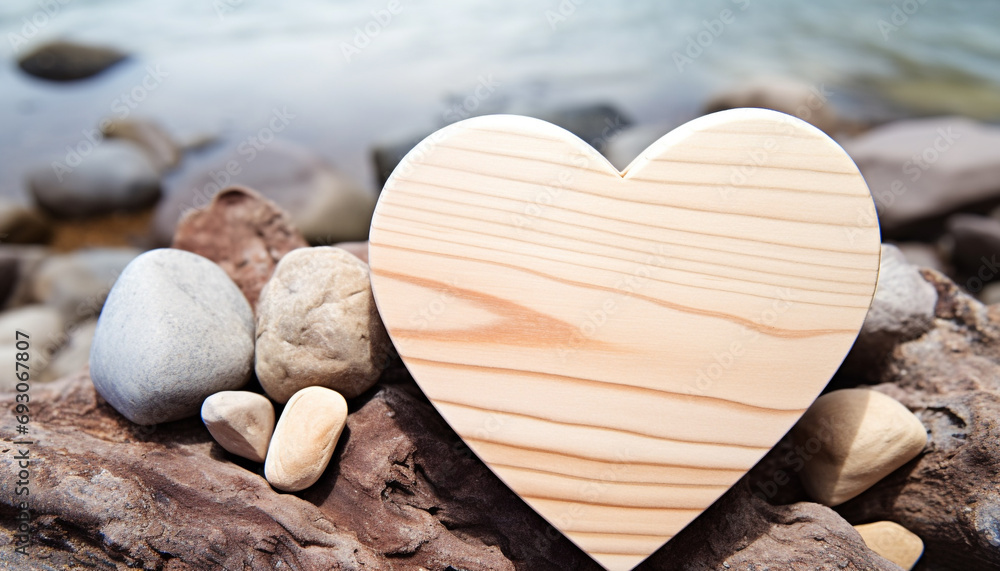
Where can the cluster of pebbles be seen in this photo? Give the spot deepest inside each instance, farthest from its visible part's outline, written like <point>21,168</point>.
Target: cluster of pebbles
<point>178,335</point>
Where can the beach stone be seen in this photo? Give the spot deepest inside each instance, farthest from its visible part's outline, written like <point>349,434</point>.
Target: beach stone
<point>20,224</point>
<point>976,248</point>
<point>317,324</point>
<point>240,421</point>
<point>174,330</point>
<point>159,146</point>
<point>77,283</point>
<point>304,439</point>
<point>67,61</point>
<point>902,309</point>
<point>115,176</point>
<point>358,249</point>
<point>18,266</point>
<point>324,205</point>
<point>74,355</point>
<point>243,232</point>
<point>861,436</point>
<point>921,169</point>
<point>44,328</point>
<point>892,541</point>
<point>802,100</point>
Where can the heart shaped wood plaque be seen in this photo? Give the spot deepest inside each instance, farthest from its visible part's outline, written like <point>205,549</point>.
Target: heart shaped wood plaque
<point>621,347</point>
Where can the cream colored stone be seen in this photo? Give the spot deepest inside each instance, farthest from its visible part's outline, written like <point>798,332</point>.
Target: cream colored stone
<point>892,541</point>
<point>305,437</point>
<point>317,324</point>
<point>240,421</point>
<point>853,438</point>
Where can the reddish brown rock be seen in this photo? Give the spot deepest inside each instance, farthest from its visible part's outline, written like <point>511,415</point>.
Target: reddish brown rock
<point>244,233</point>
<point>402,493</point>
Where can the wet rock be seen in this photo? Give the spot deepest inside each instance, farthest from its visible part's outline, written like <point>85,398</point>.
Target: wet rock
<point>67,61</point>
<point>861,436</point>
<point>892,541</point>
<point>22,225</point>
<point>926,168</point>
<point>43,328</point>
<point>174,330</point>
<point>903,308</point>
<point>115,176</point>
<point>242,422</point>
<point>323,204</point>
<point>159,146</point>
<point>304,439</point>
<point>598,125</point>
<point>802,100</point>
<point>317,324</point>
<point>243,232</point>
<point>77,283</point>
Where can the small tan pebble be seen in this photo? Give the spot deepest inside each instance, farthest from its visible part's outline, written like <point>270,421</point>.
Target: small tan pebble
<point>359,249</point>
<point>240,421</point>
<point>304,439</point>
<point>851,439</point>
<point>892,541</point>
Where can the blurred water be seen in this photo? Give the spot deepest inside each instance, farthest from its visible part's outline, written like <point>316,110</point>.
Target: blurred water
<point>227,64</point>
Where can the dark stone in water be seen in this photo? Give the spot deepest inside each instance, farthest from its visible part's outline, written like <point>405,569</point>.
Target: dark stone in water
<point>67,61</point>
<point>595,124</point>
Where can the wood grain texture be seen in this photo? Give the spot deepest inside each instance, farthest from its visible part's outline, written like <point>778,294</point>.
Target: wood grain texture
<point>620,348</point>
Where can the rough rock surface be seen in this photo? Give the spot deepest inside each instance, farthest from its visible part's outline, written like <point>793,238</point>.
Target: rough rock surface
<point>405,495</point>
<point>114,176</point>
<point>317,324</point>
<point>324,205</point>
<point>66,61</point>
<point>175,329</point>
<point>950,378</point>
<point>257,234</point>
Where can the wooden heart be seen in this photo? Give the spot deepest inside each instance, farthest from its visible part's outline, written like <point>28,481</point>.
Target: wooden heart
<point>621,347</point>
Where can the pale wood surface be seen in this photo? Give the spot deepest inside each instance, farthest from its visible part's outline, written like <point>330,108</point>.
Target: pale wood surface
<point>621,348</point>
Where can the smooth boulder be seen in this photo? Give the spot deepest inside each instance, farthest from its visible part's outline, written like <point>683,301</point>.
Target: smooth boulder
<point>174,330</point>
<point>304,439</point>
<point>115,176</point>
<point>242,422</point>
<point>317,324</point>
<point>854,438</point>
<point>77,283</point>
<point>68,61</point>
